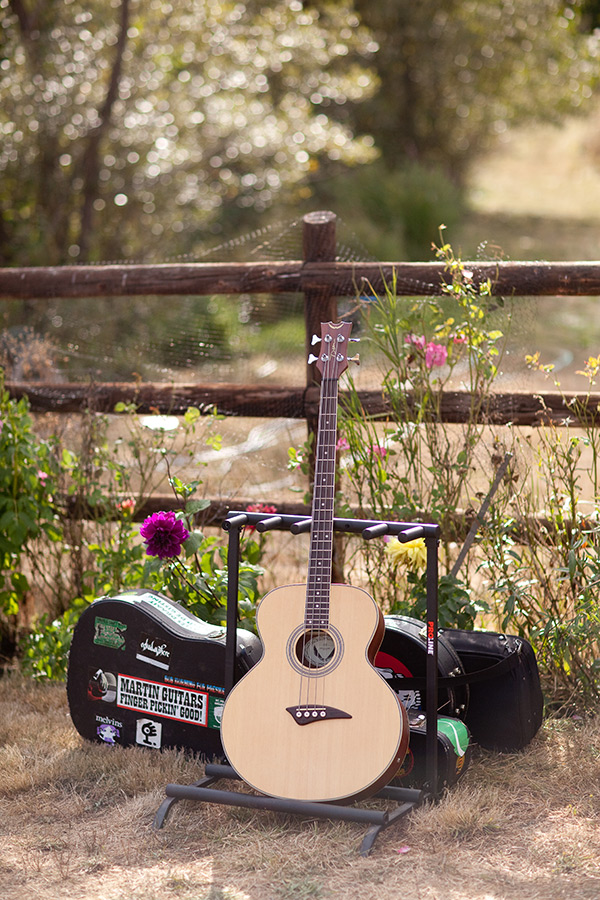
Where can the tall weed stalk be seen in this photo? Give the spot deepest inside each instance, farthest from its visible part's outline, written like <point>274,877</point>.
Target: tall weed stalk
<point>412,465</point>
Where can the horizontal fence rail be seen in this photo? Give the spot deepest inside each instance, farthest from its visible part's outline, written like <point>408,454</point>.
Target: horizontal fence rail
<point>574,279</point>
<point>271,401</point>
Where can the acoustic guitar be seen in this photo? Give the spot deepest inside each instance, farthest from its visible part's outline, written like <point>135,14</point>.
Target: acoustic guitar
<point>313,720</point>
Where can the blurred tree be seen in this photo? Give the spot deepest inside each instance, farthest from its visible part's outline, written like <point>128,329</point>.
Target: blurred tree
<point>590,14</point>
<point>129,127</point>
<point>455,75</point>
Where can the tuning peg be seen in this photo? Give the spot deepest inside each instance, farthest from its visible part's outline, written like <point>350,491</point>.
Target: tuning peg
<point>315,340</point>
<point>354,340</point>
<point>354,359</point>
<point>312,358</point>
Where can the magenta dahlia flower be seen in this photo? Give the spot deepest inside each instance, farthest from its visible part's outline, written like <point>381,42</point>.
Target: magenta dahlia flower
<point>163,534</point>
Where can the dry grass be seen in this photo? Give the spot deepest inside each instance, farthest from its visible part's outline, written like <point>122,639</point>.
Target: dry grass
<point>76,823</point>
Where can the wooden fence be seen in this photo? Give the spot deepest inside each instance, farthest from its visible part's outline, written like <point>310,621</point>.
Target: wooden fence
<point>321,279</point>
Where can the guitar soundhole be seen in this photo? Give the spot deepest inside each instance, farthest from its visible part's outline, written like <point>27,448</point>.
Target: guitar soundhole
<point>315,651</point>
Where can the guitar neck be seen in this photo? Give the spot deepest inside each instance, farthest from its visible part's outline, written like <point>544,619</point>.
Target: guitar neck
<point>321,543</point>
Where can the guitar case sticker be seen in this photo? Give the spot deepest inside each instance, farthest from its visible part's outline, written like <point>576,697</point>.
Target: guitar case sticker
<point>162,700</point>
<point>109,633</point>
<point>148,733</point>
<point>454,750</point>
<point>155,652</point>
<point>108,733</point>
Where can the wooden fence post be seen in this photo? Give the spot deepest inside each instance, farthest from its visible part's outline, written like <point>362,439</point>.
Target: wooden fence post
<point>320,305</point>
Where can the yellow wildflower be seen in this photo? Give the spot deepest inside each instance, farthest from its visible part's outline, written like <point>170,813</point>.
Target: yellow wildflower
<point>412,554</point>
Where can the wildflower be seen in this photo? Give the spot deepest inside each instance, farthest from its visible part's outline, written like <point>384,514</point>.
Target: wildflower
<point>435,354</point>
<point>416,341</point>
<point>163,535</point>
<point>532,361</point>
<point>261,508</point>
<point>126,507</point>
<point>42,477</point>
<point>592,367</point>
<point>342,444</point>
<point>412,554</point>
<point>379,450</point>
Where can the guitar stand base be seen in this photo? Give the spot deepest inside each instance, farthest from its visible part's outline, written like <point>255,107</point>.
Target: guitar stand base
<point>201,791</point>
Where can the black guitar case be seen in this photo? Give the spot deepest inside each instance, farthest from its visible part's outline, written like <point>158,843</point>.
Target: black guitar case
<point>503,708</point>
<point>454,751</point>
<point>144,671</point>
<point>402,658</point>
<point>506,704</point>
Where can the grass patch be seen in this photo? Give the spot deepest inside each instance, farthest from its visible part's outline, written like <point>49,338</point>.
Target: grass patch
<point>76,822</point>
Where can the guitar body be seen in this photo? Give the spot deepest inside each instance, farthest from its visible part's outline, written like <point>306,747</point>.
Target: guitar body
<point>313,720</point>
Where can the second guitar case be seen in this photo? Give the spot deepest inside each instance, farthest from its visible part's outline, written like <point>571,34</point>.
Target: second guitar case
<point>506,703</point>
<point>489,680</point>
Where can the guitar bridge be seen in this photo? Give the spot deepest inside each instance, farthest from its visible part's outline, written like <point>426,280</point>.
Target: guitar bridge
<point>305,715</point>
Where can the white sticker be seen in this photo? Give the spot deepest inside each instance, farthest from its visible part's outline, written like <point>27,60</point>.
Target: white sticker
<point>162,700</point>
<point>148,733</point>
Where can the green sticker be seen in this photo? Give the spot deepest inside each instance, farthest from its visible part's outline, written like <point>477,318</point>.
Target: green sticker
<point>109,633</point>
<point>457,733</point>
<point>215,711</point>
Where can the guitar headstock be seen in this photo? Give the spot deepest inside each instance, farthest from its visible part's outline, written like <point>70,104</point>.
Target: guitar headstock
<point>333,357</point>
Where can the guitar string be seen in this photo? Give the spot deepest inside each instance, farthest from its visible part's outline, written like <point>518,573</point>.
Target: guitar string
<point>322,539</point>
<point>308,639</point>
<point>309,630</point>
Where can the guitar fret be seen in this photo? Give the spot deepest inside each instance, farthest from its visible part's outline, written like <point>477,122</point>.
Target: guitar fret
<point>318,587</point>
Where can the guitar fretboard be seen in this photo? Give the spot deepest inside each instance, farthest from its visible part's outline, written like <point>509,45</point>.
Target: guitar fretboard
<point>321,544</point>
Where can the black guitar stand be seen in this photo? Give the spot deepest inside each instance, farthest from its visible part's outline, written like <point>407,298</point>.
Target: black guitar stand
<point>407,799</point>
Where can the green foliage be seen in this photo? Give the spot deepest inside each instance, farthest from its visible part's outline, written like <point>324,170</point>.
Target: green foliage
<point>455,609</point>
<point>45,649</point>
<point>199,581</point>
<point>395,211</point>
<point>69,532</point>
<point>535,567</point>
<point>28,477</point>
<point>110,556</point>
<point>413,464</point>
<point>542,557</point>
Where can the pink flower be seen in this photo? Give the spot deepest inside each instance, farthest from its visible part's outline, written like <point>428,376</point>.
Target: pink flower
<point>418,342</point>
<point>42,477</point>
<point>163,534</point>
<point>259,507</point>
<point>379,450</point>
<point>126,506</point>
<point>435,354</point>
<point>342,444</point>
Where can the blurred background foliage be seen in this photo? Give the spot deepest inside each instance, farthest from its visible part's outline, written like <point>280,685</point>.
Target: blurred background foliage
<point>144,131</point>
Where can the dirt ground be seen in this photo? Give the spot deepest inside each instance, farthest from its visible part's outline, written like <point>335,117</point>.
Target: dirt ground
<point>76,822</point>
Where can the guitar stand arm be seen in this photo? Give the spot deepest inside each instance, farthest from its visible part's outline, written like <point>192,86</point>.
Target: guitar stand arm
<point>406,798</point>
